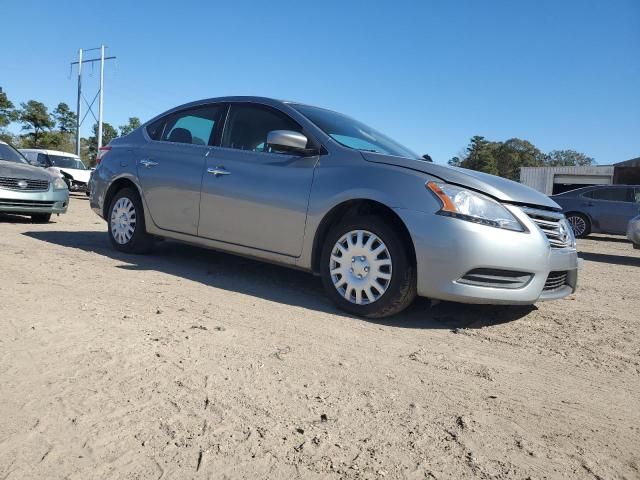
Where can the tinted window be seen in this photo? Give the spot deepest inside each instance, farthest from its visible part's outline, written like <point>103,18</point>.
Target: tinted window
<point>154,130</point>
<point>637,195</point>
<point>43,160</point>
<point>61,161</point>
<point>611,194</point>
<point>248,125</point>
<point>195,126</point>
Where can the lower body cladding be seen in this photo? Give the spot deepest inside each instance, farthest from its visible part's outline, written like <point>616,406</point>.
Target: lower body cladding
<point>466,262</point>
<point>28,203</point>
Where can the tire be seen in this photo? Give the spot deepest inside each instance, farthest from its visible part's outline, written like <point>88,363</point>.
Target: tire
<point>580,224</point>
<point>40,218</point>
<point>396,293</point>
<point>127,228</point>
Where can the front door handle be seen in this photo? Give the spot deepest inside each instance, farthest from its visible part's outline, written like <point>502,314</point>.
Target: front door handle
<point>219,170</point>
<point>148,163</point>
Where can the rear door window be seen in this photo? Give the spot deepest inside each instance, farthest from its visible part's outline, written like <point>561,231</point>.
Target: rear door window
<point>612,194</point>
<point>195,126</point>
<point>154,130</point>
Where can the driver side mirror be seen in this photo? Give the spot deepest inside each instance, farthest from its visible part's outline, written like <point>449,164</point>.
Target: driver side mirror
<point>427,157</point>
<point>288,141</point>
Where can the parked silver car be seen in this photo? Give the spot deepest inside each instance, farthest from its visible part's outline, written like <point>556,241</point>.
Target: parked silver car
<point>600,208</point>
<point>29,190</point>
<point>313,189</point>
<point>633,231</point>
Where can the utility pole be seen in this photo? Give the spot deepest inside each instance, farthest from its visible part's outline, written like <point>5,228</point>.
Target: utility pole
<point>79,102</point>
<point>100,94</point>
<point>101,102</point>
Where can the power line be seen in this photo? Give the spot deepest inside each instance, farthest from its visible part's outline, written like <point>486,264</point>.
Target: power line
<point>99,95</point>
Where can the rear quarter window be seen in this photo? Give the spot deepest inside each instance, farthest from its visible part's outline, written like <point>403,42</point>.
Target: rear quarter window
<point>154,130</point>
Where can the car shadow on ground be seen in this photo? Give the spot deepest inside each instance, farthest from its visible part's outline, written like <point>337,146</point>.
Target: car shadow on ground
<point>611,259</point>
<point>274,283</point>
<point>607,238</point>
<point>17,219</point>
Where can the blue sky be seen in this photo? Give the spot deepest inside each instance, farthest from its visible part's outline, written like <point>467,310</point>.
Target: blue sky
<point>562,74</point>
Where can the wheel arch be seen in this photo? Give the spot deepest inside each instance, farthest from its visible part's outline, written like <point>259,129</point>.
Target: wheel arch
<point>579,212</point>
<point>357,207</point>
<point>114,188</point>
<point>592,227</point>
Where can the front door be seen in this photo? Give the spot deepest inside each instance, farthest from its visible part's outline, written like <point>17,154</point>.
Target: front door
<point>251,196</point>
<point>170,168</point>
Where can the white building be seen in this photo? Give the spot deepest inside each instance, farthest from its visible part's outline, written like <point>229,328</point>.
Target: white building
<point>552,180</point>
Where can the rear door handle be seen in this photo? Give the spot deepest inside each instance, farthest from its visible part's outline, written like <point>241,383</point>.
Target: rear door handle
<point>219,170</point>
<point>148,163</point>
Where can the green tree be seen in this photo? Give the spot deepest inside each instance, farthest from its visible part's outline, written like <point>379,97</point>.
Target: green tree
<point>515,153</point>
<point>65,119</point>
<point>479,155</point>
<point>108,134</point>
<point>7,111</point>
<point>134,122</point>
<point>567,158</point>
<point>34,116</point>
<point>507,158</point>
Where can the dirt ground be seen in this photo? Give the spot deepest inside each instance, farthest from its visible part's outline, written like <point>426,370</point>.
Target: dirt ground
<point>189,363</point>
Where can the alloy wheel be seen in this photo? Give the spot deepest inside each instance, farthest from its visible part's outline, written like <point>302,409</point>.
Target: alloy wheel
<point>578,225</point>
<point>360,267</point>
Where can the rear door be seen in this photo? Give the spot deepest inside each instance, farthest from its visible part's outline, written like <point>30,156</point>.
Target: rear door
<point>612,208</point>
<point>170,166</point>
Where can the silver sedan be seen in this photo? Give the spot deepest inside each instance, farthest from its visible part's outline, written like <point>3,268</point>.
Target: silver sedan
<point>316,190</point>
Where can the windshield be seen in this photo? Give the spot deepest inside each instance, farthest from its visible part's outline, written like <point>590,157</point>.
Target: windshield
<point>352,133</point>
<point>10,154</point>
<point>66,162</point>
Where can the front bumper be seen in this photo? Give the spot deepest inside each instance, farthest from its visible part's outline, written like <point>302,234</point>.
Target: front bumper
<point>26,203</point>
<point>447,249</point>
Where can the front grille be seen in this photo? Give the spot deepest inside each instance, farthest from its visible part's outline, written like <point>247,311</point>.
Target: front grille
<point>9,183</point>
<point>555,281</point>
<point>494,278</point>
<point>553,225</point>
<point>12,202</point>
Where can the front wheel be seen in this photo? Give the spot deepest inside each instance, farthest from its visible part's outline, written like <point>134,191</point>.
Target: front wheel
<point>580,224</point>
<point>365,269</point>
<point>127,230</point>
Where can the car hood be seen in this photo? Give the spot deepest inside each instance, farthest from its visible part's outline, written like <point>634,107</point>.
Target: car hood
<point>497,187</point>
<point>22,170</point>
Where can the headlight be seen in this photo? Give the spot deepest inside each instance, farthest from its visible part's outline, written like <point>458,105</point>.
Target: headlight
<point>472,206</point>
<point>567,230</point>
<point>59,184</point>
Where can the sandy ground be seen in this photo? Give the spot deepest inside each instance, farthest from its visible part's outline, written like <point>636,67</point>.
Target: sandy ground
<point>194,364</point>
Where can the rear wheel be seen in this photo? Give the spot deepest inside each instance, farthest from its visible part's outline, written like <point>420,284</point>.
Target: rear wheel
<point>41,217</point>
<point>580,224</point>
<point>127,230</point>
<point>365,269</point>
